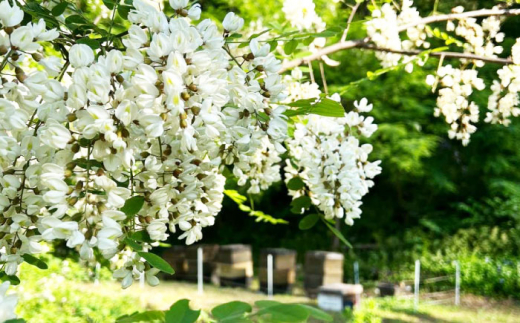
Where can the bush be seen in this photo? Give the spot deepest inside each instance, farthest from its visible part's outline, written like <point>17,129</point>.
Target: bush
<point>487,256</point>
<point>61,294</point>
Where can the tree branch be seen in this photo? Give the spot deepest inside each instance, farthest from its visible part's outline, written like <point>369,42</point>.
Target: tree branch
<point>497,60</point>
<point>363,43</point>
<point>349,21</point>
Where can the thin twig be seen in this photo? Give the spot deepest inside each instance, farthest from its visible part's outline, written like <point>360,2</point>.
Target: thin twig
<point>497,60</point>
<point>349,21</point>
<point>311,72</point>
<point>6,58</point>
<point>424,21</point>
<point>322,72</point>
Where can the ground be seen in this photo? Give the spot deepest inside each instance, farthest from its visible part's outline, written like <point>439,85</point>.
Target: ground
<point>473,309</point>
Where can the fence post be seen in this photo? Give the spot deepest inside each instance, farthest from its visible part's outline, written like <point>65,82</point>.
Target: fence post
<point>356,279</point>
<point>96,274</point>
<point>200,273</point>
<point>356,272</point>
<point>270,275</point>
<point>417,278</point>
<point>457,283</point>
<point>141,280</point>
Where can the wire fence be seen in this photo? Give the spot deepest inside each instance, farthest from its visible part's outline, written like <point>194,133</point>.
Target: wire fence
<point>203,265</point>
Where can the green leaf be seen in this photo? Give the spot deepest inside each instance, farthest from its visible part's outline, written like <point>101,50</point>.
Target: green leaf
<point>84,142</point>
<point>308,221</point>
<point>133,244</point>
<point>148,316</point>
<point>295,184</point>
<point>32,260</point>
<point>338,234</point>
<point>285,313</point>
<point>157,262</point>
<point>273,44</point>
<point>323,107</point>
<point>290,46</point>
<point>317,313</point>
<point>123,11</point>
<point>234,36</point>
<point>180,312</point>
<point>262,217</point>
<point>231,310</point>
<point>37,11</point>
<point>92,43</point>
<point>133,205</point>
<point>266,303</point>
<point>76,19</point>
<point>15,321</point>
<point>235,196</point>
<point>300,203</point>
<point>253,36</point>
<point>59,8</point>
<point>109,4</point>
<point>84,163</point>
<point>14,280</point>
<point>142,236</point>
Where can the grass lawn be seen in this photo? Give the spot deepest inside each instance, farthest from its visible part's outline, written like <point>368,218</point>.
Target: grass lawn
<point>473,309</point>
<point>53,298</point>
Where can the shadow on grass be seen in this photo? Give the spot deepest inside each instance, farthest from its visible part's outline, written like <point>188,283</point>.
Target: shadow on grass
<point>423,317</point>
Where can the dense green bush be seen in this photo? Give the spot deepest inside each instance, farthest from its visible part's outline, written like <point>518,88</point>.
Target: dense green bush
<point>488,257</point>
<point>58,295</point>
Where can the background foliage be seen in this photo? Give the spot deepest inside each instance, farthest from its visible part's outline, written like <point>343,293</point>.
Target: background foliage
<point>435,200</point>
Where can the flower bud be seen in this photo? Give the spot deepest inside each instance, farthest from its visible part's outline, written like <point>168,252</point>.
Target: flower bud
<point>20,74</point>
<point>75,148</point>
<point>79,186</point>
<point>67,173</point>
<point>193,87</point>
<point>120,78</point>
<point>195,110</point>
<point>73,200</point>
<point>232,22</point>
<point>36,56</point>
<point>185,96</point>
<point>70,165</point>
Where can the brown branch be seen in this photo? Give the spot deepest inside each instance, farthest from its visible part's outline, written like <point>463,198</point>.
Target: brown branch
<point>424,21</point>
<point>462,15</point>
<point>497,60</point>
<point>349,21</point>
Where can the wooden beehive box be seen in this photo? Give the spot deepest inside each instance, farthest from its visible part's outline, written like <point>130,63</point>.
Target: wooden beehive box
<point>176,257</point>
<point>284,269</point>
<point>234,265</point>
<point>335,297</point>
<point>209,252</point>
<point>322,268</point>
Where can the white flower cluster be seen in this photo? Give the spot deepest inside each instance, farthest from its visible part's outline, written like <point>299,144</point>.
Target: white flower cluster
<point>453,102</point>
<point>503,102</point>
<point>456,84</point>
<point>7,303</point>
<point>383,30</point>
<point>154,124</point>
<point>302,14</point>
<point>327,155</point>
<point>480,38</point>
